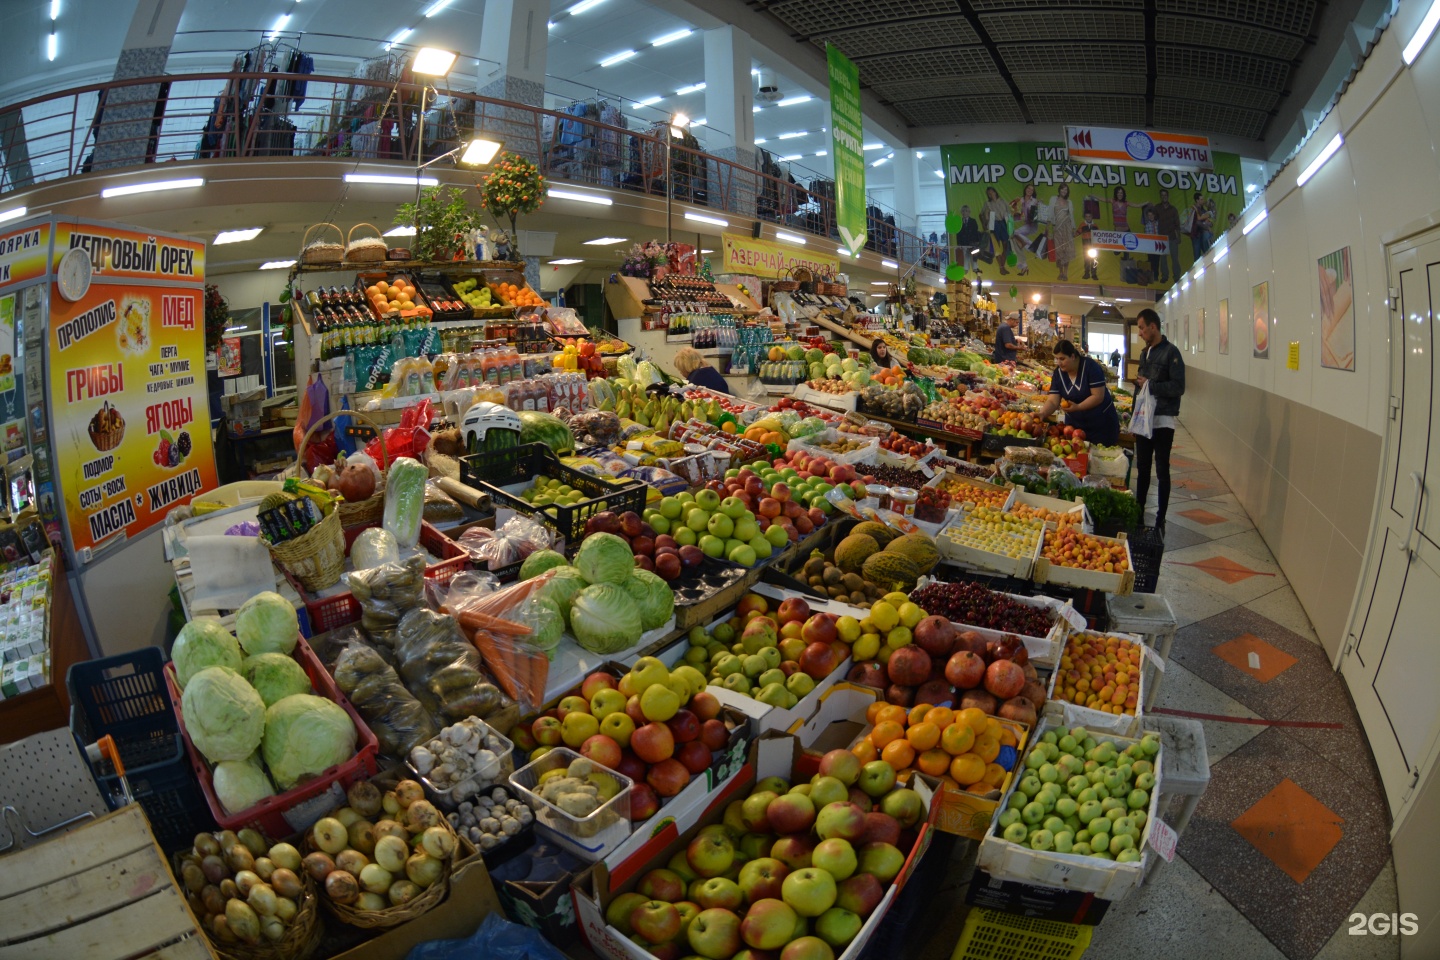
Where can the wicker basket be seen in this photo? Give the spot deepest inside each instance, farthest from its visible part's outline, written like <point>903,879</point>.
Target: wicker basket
<point>317,556</point>
<point>805,277</point>
<point>357,252</point>
<point>322,251</point>
<point>787,282</point>
<point>431,897</point>
<point>366,511</point>
<point>302,935</point>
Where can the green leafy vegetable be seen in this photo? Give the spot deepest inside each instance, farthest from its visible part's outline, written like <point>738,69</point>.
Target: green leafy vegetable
<point>405,500</point>
<point>274,676</point>
<point>224,715</point>
<point>1111,506</point>
<point>604,558</point>
<point>305,735</point>
<point>201,644</point>
<point>240,784</point>
<point>540,561</point>
<point>652,595</point>
<point>267,623</point>
<point>604,619</point>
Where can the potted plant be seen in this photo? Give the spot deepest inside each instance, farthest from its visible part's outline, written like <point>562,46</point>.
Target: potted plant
<point>442,221</point>
<point>217,317</point>
<point>513,187</point>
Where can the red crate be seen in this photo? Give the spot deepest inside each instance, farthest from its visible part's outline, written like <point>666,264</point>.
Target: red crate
<point>327,613</point>
<point>306,802</point>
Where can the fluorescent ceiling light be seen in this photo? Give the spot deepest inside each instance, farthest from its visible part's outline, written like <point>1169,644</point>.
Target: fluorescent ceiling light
<point>701,218</point>
<point>754,109</point>
<point>1081,297</point>
<point>693,88</point>
<point>919,155</point>
<point>564,262</point>
<point>890,263</point>
<point>52,46</point>
<point>882,160</point>
<point>480,151</point>
<point>754,72</point>
<point>617,58</point>
<point>400,231</point>
<point>789,237</point>
<point>1251,188</point>
<point>549,24</point>
<point>822,153</point>
<point>237,236</point>
<point>14,214</point>
<point>280,22</point>
<point>1185,285</point>
<point>879,283</point>
<point>707,251</point>
<point>1422,33</point>
<point>582,6</point>
<point>792,135</point>
<point>1314,166</point>
<point>391,178</point>
<point>940,174</point>
<point>54,9</point>
<point>794,100</point>
<point>152,187</point>
<point>400,36</point>
<point>1199,271</point>
<point>649,101</point>
<point>842,251</point>
<point>792,157</point>
<point>671,37</point>
<point>436,7</point>
<point>1123,299</point>
<point>1259,218</point>
<point>602,241</point>
<point>433,62</point>
<point>759,140</point>
<point>987,283</point>
<point>873,146</point>
<point>596,198</point>
<point>277,264</point>
<point>698,123</point>
<point>1221,253</point>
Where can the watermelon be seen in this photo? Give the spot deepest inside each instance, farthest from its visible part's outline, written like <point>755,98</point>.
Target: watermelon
<point>546,428</point>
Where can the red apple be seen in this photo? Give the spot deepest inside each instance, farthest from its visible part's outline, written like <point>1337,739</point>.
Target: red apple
<point>705,706</point>
<point>881,828</point>
<point>860,894</point>
<point>669,566</point>
<point>794,851</point>
<point>695,756</point>
<point>780,492</point>
<point>793,608</point>
<point>666,542</point>
<point>633,711</point>
<point>668,777</point>
<point>665,885</point>
<point>653,742</point>
<point>749,602</point>
<point>602,750</point>
<point>632,766</point>
<point>769,508</point>
<point>819,628</point>
<point>714,734</point>
<point>594,683</point>
<point>761,879</point>
<point>819,660</point>
<point>684,726</point>
<point>791,813</point>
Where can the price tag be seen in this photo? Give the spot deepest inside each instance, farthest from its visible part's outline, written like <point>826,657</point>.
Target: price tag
<point>1163,839</point>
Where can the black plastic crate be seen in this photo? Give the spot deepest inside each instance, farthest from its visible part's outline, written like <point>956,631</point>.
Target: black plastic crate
<point>493,469</point>
<point>124,696</point>
<point>1147,549</point>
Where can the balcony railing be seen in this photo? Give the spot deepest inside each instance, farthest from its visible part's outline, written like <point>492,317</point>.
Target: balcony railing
<point>217,116</point>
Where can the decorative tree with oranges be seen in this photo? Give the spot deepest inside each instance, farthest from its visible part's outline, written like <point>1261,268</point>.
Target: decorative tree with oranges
<point>514,186</point>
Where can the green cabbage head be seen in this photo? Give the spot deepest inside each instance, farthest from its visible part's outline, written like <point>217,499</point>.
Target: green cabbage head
<point>240,784</point>
<point>267,623</point>
<point>540,561</point>
<point>604,619</point>
<point>201,644</point>
<point>224,715</point>
<point>274,676</point>
<point>304,736</point>
<point>604,558</point>
<point>546,623</point>
<point>652,595</point>
<point>564,585</point>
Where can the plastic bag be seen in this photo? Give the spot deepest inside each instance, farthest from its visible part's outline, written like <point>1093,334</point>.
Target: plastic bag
<point>409,439</point>
<point>397,718</point>
<point>405,500</point>
<point>372,547</point>
<point>442,669</point>
<point>513,542</point>
<point>500,624</point>
<point>386,593</point>
<point>1142,416</point>
<point>497,939</point>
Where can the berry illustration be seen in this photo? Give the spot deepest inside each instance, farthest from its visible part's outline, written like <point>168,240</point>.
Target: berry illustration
<point>183,442</point>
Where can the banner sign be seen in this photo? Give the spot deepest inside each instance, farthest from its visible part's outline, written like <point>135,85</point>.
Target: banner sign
<point>23,254</point>
<point>1138,148</point>
<point>1027,209</point>
<point>130,417</point>
<point>847,149</point>
<point>764,258</point>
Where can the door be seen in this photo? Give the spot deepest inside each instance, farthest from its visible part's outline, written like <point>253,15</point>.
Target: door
<point>1392,654</point>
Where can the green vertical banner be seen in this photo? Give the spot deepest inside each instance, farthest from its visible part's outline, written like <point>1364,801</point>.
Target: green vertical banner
<point>847,139</point>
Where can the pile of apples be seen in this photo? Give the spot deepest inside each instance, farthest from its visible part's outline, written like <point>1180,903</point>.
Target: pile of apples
<point>903,445</point>
<point>773,499</point>
<point>722,523</point>
<point>967,746</point>
<point>1065,440</point>
<point>775,660</point>
<point>655,725</point>
<point>790,873</point>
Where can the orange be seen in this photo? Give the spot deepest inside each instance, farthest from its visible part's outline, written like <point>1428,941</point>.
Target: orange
<point>942,717</point>
<point>918,712</point>
<point>893,713</point>
<point>923,736</point>
<point>872,710</point>
<point>885,733</point>
<point>987,747</point>
<point>992,727</point>
<point>979,788</point>
<point>866,751</point>
<point>967,769</point>
<point>727,427</point>
<point>974,718</point>
<point>957,739</point>
<point>899,754</point>
<point>994,774</point>
<point>1007,738</point>
<point>933,762</point>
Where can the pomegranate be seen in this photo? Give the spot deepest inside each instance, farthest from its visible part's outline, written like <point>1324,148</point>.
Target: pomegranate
<point>972,641</point>
<point>979,699</point>
<point>1004,679</point>
<point>965,670</point>
<point>1019,710</point>
<point>935,635</point>
<point>901,695</point>
<point>871,674</point>
<point>1033,692</point>
<point>936,692</point>
<point>909,666</point>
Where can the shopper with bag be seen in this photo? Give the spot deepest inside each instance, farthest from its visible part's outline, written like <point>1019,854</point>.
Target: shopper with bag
<point>1161,382</point>
<point>1080,382</point>
<point>994,216</point>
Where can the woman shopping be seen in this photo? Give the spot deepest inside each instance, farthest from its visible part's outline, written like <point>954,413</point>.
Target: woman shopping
<point>692,366</point>
<point>994,217</point>
<point>1080,382</point>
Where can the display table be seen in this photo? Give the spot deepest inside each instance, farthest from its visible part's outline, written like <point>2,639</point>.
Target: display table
<point>962,448</point>
<point>49,706</point>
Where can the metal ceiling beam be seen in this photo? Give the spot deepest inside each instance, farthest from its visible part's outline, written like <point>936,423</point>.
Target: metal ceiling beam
<point>1151,68</point>
<point>994,52</point>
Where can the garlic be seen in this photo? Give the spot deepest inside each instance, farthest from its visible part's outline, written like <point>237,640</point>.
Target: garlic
<point>422,760</point>
<point>510,825</point>
<point>490,825</point>
<point>467,807</point>
<point>475,835</point>
<point>499,795</point>
<point>489,842</point>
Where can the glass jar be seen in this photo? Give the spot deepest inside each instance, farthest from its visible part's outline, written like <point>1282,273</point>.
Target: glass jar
<point>902,501</point>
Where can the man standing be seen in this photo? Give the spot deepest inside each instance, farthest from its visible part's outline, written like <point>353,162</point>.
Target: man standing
<point>1163,369</point>
<point>1167,220</point>
<point>1006,347</point>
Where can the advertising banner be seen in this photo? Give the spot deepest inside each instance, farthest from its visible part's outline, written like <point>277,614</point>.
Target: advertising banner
<point>1139,148</point>
<point>130,419</point>
<point>765,258</point>
<point>847,149</point>
<point>23,253</point>
<point>1024,209</point>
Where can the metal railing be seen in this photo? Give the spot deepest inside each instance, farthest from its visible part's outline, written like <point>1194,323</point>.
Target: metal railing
<point>216,116</point>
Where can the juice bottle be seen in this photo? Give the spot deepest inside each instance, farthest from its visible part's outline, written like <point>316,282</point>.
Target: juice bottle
<point>488,369</point>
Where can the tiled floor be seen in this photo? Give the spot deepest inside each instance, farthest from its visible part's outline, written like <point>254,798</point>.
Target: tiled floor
<point>1292,835</point>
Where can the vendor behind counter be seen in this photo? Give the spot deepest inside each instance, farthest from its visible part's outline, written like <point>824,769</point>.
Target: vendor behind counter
<point>694,368</point>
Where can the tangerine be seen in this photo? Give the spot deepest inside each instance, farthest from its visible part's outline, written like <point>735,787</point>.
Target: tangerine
<point>885,733</point>
<point>942,717</point>
<point>974,718</point>
<point>866,751</point>
<point>957,738</point>
<point>933,762</point>
<point>893,713</point>
<point>899,754</point>
<point>987,747</point>
<point>994,774</point>
<point>967,769</point>
<point>917,712</point>
<point>872,710</point>
<point>923,736</point>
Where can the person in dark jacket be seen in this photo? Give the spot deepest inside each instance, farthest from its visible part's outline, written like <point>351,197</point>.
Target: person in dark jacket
<point>1006,346</point>
<point>692,366</point>
<point>968,239</point>
<point>1162,368</point>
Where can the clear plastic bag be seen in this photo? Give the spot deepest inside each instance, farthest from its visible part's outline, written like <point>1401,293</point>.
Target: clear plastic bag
<point>443,669</point>
<point>386,593</point>
<point>398,719</point>
<point>516,539</point>
<point>1061,478</point>
<point>516,629</point>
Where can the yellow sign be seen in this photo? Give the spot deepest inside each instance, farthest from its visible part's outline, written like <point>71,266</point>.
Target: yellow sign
<point>23,253</point>
<point>1292,362</point>
<point>763,258</point>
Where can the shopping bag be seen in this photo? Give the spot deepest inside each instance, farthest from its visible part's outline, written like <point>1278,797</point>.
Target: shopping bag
<point>1142,417</point>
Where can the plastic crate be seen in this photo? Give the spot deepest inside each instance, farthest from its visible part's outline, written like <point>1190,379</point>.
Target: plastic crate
<point>590,838</point>
<point>993,935</point>
<point>300,806</point>
<point>1147,549</point>
<point>124,696</point>
<point>494,470</point>
<point>327,613</point>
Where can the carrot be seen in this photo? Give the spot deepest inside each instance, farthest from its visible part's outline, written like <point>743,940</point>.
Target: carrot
<point>484,621</point>
<point>495,660</point>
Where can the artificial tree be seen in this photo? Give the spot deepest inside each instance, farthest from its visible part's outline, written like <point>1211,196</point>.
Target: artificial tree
<point>217,317</point>
<point>514,186</point>
<point>442,221</point>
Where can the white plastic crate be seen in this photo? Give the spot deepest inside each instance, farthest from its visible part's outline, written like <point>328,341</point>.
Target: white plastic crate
<point>1074,715</point>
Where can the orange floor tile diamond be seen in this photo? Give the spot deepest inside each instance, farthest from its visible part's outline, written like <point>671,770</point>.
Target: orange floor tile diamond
<point>1271,660</point>
<point>1202,516</point>
<point>1292,828</point>
<point>1224,569</point>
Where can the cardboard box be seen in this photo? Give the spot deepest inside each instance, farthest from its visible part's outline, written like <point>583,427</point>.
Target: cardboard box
<point>1043,903</point>
<point>772,754</point>
<point>471,898</point>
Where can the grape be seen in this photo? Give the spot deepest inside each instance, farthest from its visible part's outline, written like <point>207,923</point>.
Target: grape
<point>977,606</point>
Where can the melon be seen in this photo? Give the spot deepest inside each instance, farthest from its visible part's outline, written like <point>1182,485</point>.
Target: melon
<point>852,552</point>
<point>917,548</point>
<point>878,532</point>
<point>891,569</point>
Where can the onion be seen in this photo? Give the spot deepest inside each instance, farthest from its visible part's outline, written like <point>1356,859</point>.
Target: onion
<point>253,841</point>
<point>319,865</point>
<point>214,868</point>
<point>403,891</point>
<point>193,877</point>
<point>342,887</point>
<point>422,869</point>
<point>371,902</point>
<point>262,899</point>
<point>351,861</point>
<point>330,835</point>
<point>286,883</point>
<point>240,858</point>
<point>391,853</point>
<point>245,881</point>
<point>284,855</point>
<point>265,867</point>
<point>421,816</point>
<point>375,878</point>
<point>272,928</point>
<point>390,828</point>
<point>285,909</point>
<point>438,842</point>
<point>242,920</point>
<point>365,798</point>
<point>212,900</point>
<point>408,792</point>
<point>206,845</point>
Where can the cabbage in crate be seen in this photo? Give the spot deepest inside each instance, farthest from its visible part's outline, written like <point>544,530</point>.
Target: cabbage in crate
<point>201,644</point>
<point>304,736</point>
<point>240,784</point>
<point>274,676</point>
<point>224,715</point>
<point>267,623</point>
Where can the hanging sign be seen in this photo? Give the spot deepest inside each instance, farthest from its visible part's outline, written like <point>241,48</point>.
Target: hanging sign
<point>763,258</point>
<point>847,149</point>
<point>23,253</point>
<point>1129,242</point>
<point>1138,148</point>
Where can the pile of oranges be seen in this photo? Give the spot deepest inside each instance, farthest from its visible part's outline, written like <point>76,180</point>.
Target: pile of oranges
<point>517,296</point>
<point>1102,672</point>
<point>386,295</point>
<point>890,377</point>
<point>960,744</point>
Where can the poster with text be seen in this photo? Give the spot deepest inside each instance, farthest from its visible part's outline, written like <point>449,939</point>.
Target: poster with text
<point>1200,330</point>
<point>1223,318</point>
<point>1337,311</point>
<point>1025,201</point>
<point>130,420</point>
<point>1260,317</point>
<point>228,357</point>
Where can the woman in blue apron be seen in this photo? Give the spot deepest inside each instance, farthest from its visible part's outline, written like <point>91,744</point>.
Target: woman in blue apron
<point>1081,381</point>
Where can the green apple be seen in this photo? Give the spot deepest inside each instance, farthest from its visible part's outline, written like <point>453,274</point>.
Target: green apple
<point>721,525</point>
<point>737,683</point>
<point>762,547</point>
<point>712,546</point>
<point>800,684</point>
<point>685,536</point>
<point>1016,833</point>
<point>770,676</point>
<point>776,535</point>
<point>708,499</point>
<point>698,520</point>
<point>745,529</point>
<point>742,555</point>
<point>670,508</point>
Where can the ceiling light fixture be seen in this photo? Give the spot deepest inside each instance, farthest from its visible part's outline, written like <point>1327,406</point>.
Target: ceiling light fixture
<point>54,9</point>
<point>822,153</point>
<point>698,123</point>
<point>882,160</point>
<point>602,241</point>
<point>564,262</point>
<point>789,237</point>
<point>707,251</point>
<point>405,231</point>
<point>582,6</point>
<point>1336,142</point>
<point>759,140</point>
<point>1123,299</point>
<point>890,263</point>
<point>940,174</point>
<point>1199,271</point>
<point>237,236</point>
<point>436,7</point>
<point>879,283</point>
<point>433,62</point>
<point>1185,285</point>
<point>701,218</point>
<point>754,109</point>
<point>693,88</point>
<point>1221,253</point>
<point>1259,219</point>
<point>277,264</point>
<point>391,178</point>
<point>873,146</point>
<point>399,37</point>
<point>1422,33</point>
<point>671,37</point>
<point>14,214</point>
<point>280,22</point>
<point>595,198</point>
<point>52,45</point>
<point>792,157</point>
<point>792,135</point>
<point>794,100</point>
<point>1251,188</point>
<point>648,101</point>
<point>987,283</point>
<point>617,58</point>
<point>152,187</point>
<point>919,155</point>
